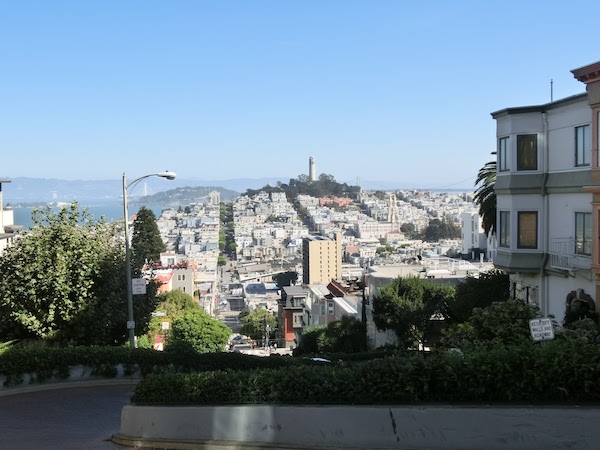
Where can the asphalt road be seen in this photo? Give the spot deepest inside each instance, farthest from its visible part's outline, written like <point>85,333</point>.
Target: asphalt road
<point>74,418</point>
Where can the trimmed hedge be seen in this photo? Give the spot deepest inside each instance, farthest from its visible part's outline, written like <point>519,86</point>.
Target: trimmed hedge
<point>558,372</point>
<point>47,363</point>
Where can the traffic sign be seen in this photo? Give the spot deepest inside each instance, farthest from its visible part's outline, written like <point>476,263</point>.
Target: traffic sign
<point>541,329</point>
<point>138,286</point>
<point>130,324</point>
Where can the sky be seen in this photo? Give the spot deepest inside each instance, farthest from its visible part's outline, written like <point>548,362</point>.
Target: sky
<point>377,90</point>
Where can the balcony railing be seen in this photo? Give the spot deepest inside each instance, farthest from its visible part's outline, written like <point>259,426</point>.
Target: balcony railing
<point>563,254</point>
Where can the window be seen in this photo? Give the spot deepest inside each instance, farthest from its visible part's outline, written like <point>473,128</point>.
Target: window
<point>527,225</point>
<point>330,310</point>
<point>504,227</point>
<point>583,233</point>
<point>503,154</point>
<point>527,152</point>
<point>583,146</point>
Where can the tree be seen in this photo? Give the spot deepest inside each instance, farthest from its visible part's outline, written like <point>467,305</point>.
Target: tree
<point>347,335</point>
<point>505,322</point>
<point>173,305</point>
<point>485,197</point>
<point>199,332</point>
<point>65,281</point>
<point>254,324</point>
<point>440,229</point>
<point>406,306</point>
<point>408,229</point>
<point>487,288</point>
<point>146,243</point>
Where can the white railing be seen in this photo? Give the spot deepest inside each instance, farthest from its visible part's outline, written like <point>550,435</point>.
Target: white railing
<point>563,255</point>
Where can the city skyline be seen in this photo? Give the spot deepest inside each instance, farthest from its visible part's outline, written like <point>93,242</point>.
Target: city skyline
<point>386,92</point>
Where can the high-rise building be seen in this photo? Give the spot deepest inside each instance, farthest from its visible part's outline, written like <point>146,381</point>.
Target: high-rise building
<point>321,259</point>
<point>312,174</point>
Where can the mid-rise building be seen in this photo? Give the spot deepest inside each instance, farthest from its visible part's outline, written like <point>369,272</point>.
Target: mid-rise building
<point>544,206</point>
<point>321,259</point>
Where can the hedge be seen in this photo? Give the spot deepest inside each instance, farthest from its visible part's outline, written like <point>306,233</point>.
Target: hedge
<point>55,362</point>
<point>558,372</point>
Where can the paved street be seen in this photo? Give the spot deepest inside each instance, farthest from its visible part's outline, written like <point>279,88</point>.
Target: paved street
<point>63,419</point>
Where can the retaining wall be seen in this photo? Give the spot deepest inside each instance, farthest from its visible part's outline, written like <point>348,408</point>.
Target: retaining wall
<point>360,427</point>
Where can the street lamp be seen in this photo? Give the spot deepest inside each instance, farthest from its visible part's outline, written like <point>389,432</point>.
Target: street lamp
<point>130,321</point>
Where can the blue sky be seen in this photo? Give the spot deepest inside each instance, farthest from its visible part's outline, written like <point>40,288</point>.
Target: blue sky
<point>389,91</point>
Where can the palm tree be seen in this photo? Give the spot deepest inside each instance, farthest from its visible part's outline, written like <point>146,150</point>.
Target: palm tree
<point>485,197</point>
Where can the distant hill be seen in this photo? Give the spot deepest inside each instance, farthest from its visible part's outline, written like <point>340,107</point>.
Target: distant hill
<point>183,196</point>
<point>44,190</point>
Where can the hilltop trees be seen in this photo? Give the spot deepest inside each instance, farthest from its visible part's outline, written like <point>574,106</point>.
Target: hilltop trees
<point>64,281</point>
<point>146,243</point>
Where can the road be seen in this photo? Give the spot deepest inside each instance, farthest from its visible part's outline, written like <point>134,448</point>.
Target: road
<point>74,418</point>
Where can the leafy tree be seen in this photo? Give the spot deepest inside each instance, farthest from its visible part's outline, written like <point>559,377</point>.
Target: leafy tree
<point>485,197</point>
<point>487,288</point>
<point>65,281</point>
<point>197,331</point>
<point>406,306</point>
<point>146,243</point>
<point>254,324</point>
<point>504,323</point>
<point>408,229</point>
<point>440,229</point>
<point>347,335</point>
<point>173,304</point>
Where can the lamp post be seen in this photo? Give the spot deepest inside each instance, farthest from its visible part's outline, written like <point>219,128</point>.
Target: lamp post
<point>130,321</point>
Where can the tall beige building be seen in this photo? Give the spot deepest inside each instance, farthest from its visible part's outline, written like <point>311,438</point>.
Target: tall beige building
<point>321,259</point>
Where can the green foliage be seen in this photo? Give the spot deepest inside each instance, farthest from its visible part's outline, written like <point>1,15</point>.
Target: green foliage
<point>310,339</point>
<point>503,323</point>
<point>406,306</point>
<point>347,335</point>
<point>561,371</point>
<point>199,332</point>
<point>254,324</point>
<point>173,304</point>
<point>440,229</point>
<point>146,243</point>
<point>489,287</point>
<point>385,249</point>
<point>485,197</point>
<point>47,363</point>
<point>324,186</point>
<point>64,281</point>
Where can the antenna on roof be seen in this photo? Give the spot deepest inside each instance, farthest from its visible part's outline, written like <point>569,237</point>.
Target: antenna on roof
<point>551,90</point>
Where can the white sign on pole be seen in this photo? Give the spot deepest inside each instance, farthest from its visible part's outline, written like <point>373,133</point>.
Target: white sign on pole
<point>138,286</point>
<point>130,324</point>
<point>541,329</point>
<point>165,325</point>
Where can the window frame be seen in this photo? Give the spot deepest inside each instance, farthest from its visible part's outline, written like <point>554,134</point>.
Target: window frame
<point>503,165</point>
<point>520,221</point>
<point>504,229</point>
<point>583,151</point>
<point>587,220</point>
<point>522,153</point>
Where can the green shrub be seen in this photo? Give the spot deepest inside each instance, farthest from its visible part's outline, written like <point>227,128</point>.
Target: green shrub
<point>561,371</point>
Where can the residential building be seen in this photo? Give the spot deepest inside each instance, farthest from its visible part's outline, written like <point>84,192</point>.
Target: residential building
<point>544,208</point>
<point>8,229</point>
<point>587,138</point>
<point>321,259</point>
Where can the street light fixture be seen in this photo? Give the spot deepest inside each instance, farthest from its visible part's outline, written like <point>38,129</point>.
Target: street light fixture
<point>130,321</point>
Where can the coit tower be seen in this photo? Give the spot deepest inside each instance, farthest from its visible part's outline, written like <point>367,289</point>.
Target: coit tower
<point>311,169</point>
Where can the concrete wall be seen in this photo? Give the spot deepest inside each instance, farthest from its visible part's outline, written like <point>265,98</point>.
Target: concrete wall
<point>361,427</point>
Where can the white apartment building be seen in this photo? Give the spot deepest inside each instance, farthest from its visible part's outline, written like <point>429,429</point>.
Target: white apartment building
<point>544,211</point>
<point>8,229</point>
